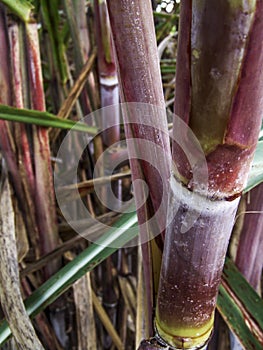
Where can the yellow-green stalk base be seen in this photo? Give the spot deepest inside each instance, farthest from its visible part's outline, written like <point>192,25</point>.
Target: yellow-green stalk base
<point>184,338</point>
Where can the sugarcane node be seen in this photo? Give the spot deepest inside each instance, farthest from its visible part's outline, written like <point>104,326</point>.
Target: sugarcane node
<point>179,342</point>
<point>151,344</point>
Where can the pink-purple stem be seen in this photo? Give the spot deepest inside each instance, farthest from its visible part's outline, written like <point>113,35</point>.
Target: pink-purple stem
<point>45,201</point>
<point>249,257</point>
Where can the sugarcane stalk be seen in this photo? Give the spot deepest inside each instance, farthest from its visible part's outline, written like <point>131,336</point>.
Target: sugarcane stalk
<point>24,160</point>
<point>109,94</point>
<point>140,81</point>
<point>109,90</point>
<point>218,71</point>
<point>45,201</point>
<point>7,143</point>
<point>191,267</point>
<point>11,94</point>
<point>17,67</point>
<point>249,259</point>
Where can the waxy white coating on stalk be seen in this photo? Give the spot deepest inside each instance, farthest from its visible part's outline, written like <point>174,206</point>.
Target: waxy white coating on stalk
<point>196,203</point>
<point>109,80</point>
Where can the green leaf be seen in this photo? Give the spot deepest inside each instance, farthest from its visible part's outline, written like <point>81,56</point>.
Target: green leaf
<point>117,236</point>
<point>21,8</point>
<point>256,171</point>
<point>43,119</point>
<point>50,13</point>
<point>165,69</point>
<point>261,134</point>
<point>238,314</point>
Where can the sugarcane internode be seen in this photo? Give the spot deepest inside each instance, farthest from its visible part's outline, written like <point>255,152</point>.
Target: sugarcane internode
<point>196,241</point>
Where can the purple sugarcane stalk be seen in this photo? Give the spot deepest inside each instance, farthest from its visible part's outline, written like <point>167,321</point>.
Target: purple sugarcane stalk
<point>219,95</point>
<point>45,201</point>
<point>140,81</point>
<point>249,258</point>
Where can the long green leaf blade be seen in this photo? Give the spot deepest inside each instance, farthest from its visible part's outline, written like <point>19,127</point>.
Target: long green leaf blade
<point>243,290</point>
<point>42,119</point>
<point>240,305</point>
<point>234,318</point>
<point>21,8</point>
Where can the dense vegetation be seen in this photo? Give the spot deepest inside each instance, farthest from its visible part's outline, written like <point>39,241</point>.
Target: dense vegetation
<point>63,60</point>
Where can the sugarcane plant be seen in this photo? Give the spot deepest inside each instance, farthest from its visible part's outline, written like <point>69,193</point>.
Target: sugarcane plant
<point>195,174</point>
<point>218,71</point>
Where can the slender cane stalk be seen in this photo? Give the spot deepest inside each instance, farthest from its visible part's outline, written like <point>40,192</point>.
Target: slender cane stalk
<point>249,257</point>
<point>5,97</point>
<point>45,202</point>
<point>218,71</point>
<point>23,184</point>
<point>17,67</point>
<point>109,89</point>
<point>21,140</point>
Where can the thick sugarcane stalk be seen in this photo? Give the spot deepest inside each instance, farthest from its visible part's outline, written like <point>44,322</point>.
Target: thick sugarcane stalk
<point>192,263</point>
<point>219,86</point>
<point>140,81</point>
<point>133,33</point>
